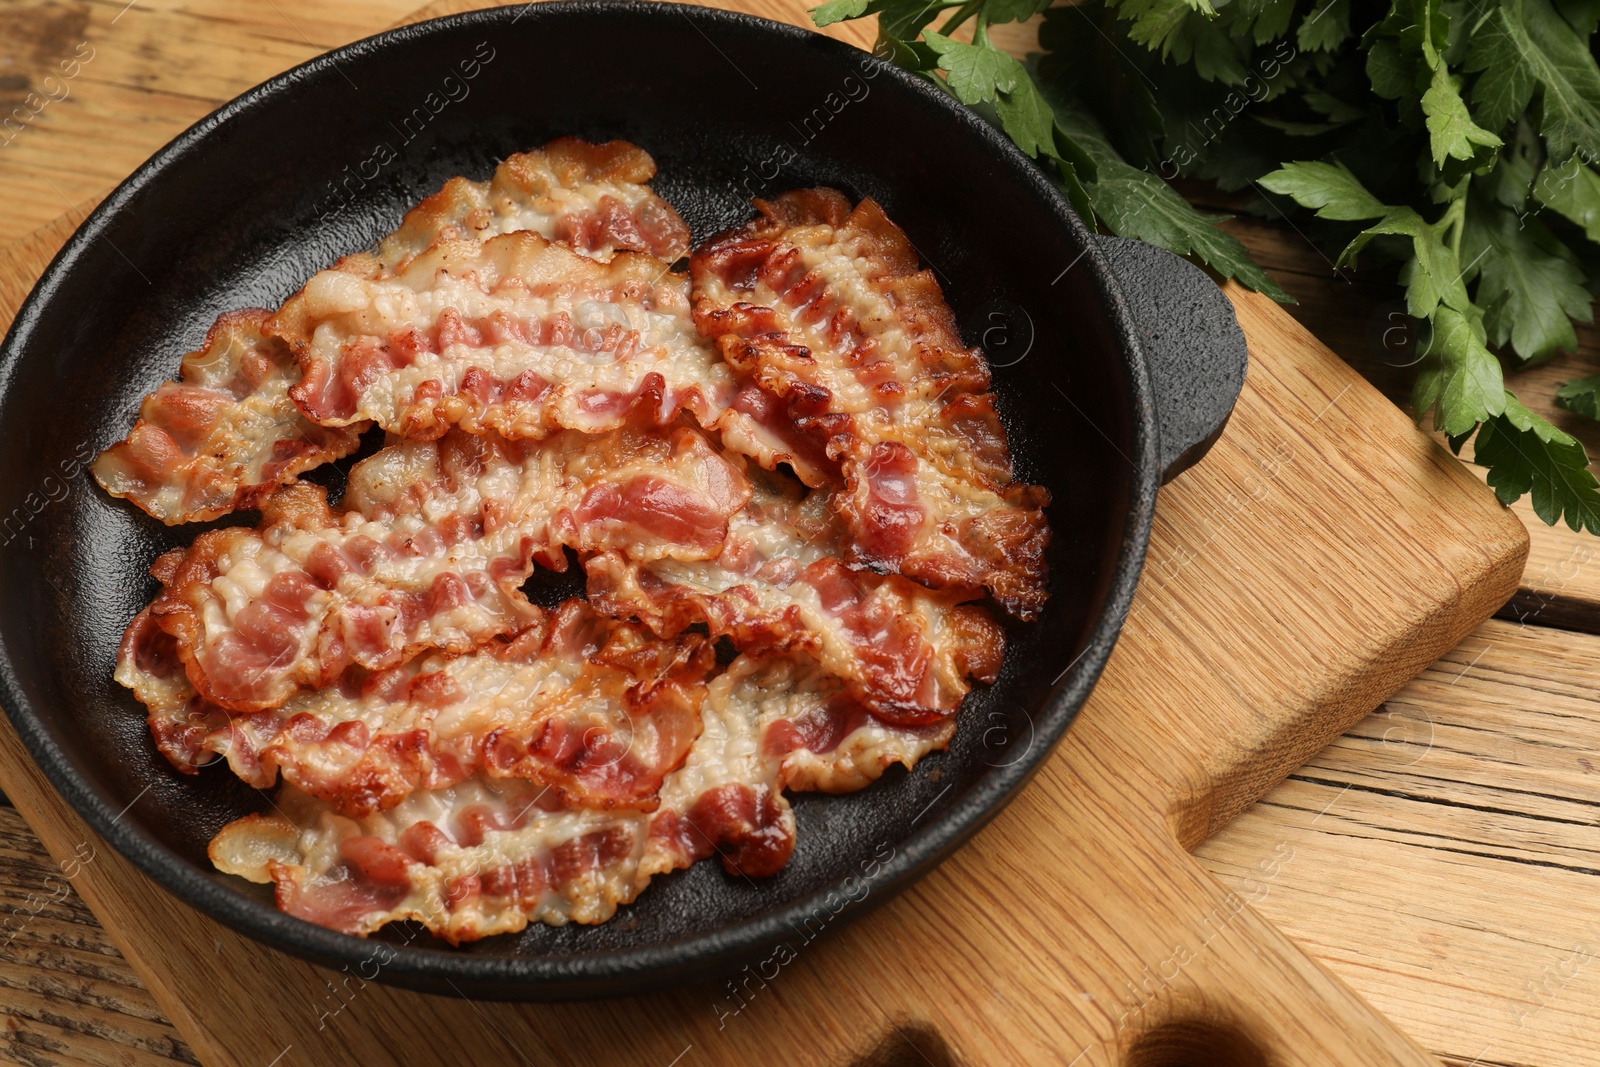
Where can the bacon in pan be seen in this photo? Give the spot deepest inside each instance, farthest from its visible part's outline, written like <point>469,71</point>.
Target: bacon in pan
<point>515,335</point>
<point>428,551</point>
<point>824,308</point>
<point>489,855</point>
<point>227,433</point>
<point>593,198</point>
<point>594,709</point>
<point>905,651</point>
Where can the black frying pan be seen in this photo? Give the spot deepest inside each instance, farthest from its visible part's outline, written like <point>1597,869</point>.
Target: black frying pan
<point>1115,363</point>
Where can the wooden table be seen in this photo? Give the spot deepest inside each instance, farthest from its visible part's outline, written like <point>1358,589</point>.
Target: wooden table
<point>1434,857</point>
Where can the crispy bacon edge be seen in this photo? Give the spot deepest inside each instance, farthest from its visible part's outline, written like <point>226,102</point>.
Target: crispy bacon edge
<point>173,442</point>
<point>650,225</point>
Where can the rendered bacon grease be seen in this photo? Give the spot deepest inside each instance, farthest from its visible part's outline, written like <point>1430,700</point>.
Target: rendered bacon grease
<point>787,451</point>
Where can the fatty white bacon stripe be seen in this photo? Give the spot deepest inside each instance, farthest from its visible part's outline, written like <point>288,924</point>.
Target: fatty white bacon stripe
<point>825,309</point>
<point>488,856</point>
<point>227,433</point>
<point>515,335</point>
<point>429,551</point>
<point>905,651</point>
<point>596,710</point>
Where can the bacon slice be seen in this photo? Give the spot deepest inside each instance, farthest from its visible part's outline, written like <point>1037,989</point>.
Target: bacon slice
<point>809,723</point>
<point>227,433</point>
<point>593,198</point>
<point>180,719</point>
<point>223,435</point>
<point>515,335</point>
<point>429,551</point>
<point>594,709</point>
<point>824,308</point>
<point>903,650</point>
<point>487,856</point>
<point>479,858</point>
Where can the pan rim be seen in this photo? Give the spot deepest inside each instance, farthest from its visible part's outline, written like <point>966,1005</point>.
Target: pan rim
<point>628,970</point>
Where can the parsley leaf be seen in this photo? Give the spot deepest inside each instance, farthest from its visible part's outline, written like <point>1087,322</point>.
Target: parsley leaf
<point>1525,49</point>
<point>1157,22</point>
<point>1432,278</point>
<point>1460,379</point>
<point>1326,27</point>
<point>1572,191</point>
<point>1581,396</point>
<point>1135,203</point>
<point>1026,117</point>
<point>976,73</point>
<point>1530,282</point>
<point>1525,453</point>
<point>1328,188</point>
<point>1391,76</point>
<point>838,11</point>
<point>1450,127</point>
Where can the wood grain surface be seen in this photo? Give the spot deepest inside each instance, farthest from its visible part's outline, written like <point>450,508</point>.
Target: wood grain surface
<point>68,995</point>
<point>1454,949</point>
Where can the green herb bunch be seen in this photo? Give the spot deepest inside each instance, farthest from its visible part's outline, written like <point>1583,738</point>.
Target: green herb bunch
<point>1456,138</point>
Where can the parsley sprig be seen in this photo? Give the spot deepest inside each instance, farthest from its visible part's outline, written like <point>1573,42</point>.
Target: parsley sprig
<point>1454,140</point>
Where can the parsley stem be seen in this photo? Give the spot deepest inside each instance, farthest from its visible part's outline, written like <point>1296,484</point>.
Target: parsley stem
<point>962,14</point>
<point>1454,220</point>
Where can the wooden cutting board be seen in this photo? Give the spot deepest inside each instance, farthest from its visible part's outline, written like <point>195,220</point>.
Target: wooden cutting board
<point>1321,555</point>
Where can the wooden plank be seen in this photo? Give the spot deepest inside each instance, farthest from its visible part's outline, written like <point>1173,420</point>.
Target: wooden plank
<point>68,994</point>
<point>1441,856</point>
<point>142,73</point>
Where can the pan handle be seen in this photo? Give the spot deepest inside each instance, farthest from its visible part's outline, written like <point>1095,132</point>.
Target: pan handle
<point>1192,343</point>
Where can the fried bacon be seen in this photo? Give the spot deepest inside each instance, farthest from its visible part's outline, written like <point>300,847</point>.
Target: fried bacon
<point>429,551</point>
<point>811,727</point>
<point>593,198</point>
<point>905,651</point>
<point>479,858</point>
<point>824,308</point>
<point>596,710</point>
<point>515,335</point>
<point>487,856</point>
<point>444,750</point>
<point>225,434</point>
